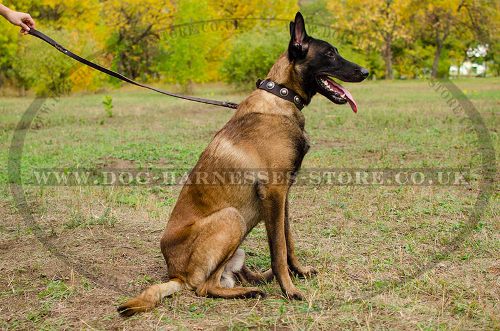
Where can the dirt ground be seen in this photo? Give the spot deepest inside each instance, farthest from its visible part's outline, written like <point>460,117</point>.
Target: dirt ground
<point>389,257</point>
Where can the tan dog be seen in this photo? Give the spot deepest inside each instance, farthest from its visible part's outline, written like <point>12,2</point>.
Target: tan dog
<point>209,222</point>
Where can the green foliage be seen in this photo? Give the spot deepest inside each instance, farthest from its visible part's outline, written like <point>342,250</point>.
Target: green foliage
<point>135,35</point>
<point>29,64</point>
<point>42,68</point>
<point>253,54</point>
<point>375,64</point>
<point>139,39</point>
<point>185,53</point>
<point>8,45</point>
<point>107,102</point>
<point>317,12</point>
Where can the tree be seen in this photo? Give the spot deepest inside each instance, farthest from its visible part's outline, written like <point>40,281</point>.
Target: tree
<point>434,22</point>
<point>253,54</point>
<point>316,12</point>
<point>373,24</point>
<point>136,26</point>
<point>284,9</point>
<point>9,46</point>
<point>62,15</point>
<point>261,34</point>
<point>483,20</point>
<point>250,14</point>
<point>30,64</point>
<point>185,51</point>
<point>195,52</point>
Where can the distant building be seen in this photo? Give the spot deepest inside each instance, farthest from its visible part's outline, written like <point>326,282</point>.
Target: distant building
<point>468,68</point>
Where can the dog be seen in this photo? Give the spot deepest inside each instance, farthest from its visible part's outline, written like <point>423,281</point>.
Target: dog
<point>201,240</point>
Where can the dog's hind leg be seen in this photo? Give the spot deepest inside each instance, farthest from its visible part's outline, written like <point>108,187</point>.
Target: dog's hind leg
<point>218,236</point>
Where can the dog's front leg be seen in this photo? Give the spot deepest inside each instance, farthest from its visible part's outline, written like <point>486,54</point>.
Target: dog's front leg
<point>274,212</point>
<point>293,261</point>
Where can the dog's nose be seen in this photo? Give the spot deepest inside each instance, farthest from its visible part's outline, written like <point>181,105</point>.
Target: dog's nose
<point>364,72</point>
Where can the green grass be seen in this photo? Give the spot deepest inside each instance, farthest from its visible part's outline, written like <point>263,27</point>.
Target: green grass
<point>77,219</point>
<point>382,251</point>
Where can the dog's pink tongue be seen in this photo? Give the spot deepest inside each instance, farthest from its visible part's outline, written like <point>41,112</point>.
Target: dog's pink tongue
<point>350,99</point>
<point>347,94</point>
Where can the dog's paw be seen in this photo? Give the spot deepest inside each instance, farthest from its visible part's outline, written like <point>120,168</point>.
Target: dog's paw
<point>256,293</point>
<point>306,272</point>
<point>294,294</point>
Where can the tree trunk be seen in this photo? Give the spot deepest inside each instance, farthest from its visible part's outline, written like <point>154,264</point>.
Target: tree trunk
<point>188,87</point>
<point>387,55</point>
<point>435,63</point>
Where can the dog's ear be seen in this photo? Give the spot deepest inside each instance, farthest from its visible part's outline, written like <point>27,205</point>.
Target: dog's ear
<point>297,49</point>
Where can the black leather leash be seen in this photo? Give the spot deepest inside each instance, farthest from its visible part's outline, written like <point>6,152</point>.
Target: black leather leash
<point>63,50</point>
<point>266,85</point>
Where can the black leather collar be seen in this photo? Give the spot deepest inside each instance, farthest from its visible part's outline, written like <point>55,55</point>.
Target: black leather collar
<point>281,91</point>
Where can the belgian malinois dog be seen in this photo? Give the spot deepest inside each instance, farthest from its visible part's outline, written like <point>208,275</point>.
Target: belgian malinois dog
<point>209,222</point>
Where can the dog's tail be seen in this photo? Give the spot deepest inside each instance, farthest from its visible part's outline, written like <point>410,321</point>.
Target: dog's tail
<point>150,297</point>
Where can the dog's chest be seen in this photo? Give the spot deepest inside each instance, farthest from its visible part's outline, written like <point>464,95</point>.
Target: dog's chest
<point>306,143</point>
<point>302,146</point>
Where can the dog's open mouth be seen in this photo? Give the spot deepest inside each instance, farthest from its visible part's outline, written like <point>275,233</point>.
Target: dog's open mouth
<point>335,92</point>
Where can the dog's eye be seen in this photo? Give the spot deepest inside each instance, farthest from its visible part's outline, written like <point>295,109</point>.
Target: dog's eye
<point>330,53</point>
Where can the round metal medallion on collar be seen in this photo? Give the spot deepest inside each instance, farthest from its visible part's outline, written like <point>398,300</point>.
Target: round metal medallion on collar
<point>270,85</point>
<point>296,99</point>
<point>284,91</point>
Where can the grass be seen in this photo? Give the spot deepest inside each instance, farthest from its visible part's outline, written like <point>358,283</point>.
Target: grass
<point>381,251</point>
<point>79,220</point>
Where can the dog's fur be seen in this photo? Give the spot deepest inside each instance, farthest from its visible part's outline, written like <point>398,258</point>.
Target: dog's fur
<point>209,222</point>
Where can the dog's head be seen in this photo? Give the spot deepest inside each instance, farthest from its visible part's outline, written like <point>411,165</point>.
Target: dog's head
<point>318,62</point>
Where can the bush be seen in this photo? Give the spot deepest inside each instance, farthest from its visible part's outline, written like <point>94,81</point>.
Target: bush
<point>253,54</point>
<point>42,68</point>
<point>48,72</point>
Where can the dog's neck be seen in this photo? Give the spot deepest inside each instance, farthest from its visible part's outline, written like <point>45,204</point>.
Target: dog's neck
<point>283,72</point>
<point>260,101</point>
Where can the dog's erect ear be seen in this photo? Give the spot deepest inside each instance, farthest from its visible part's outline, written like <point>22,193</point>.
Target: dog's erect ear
<point>297,49</point>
